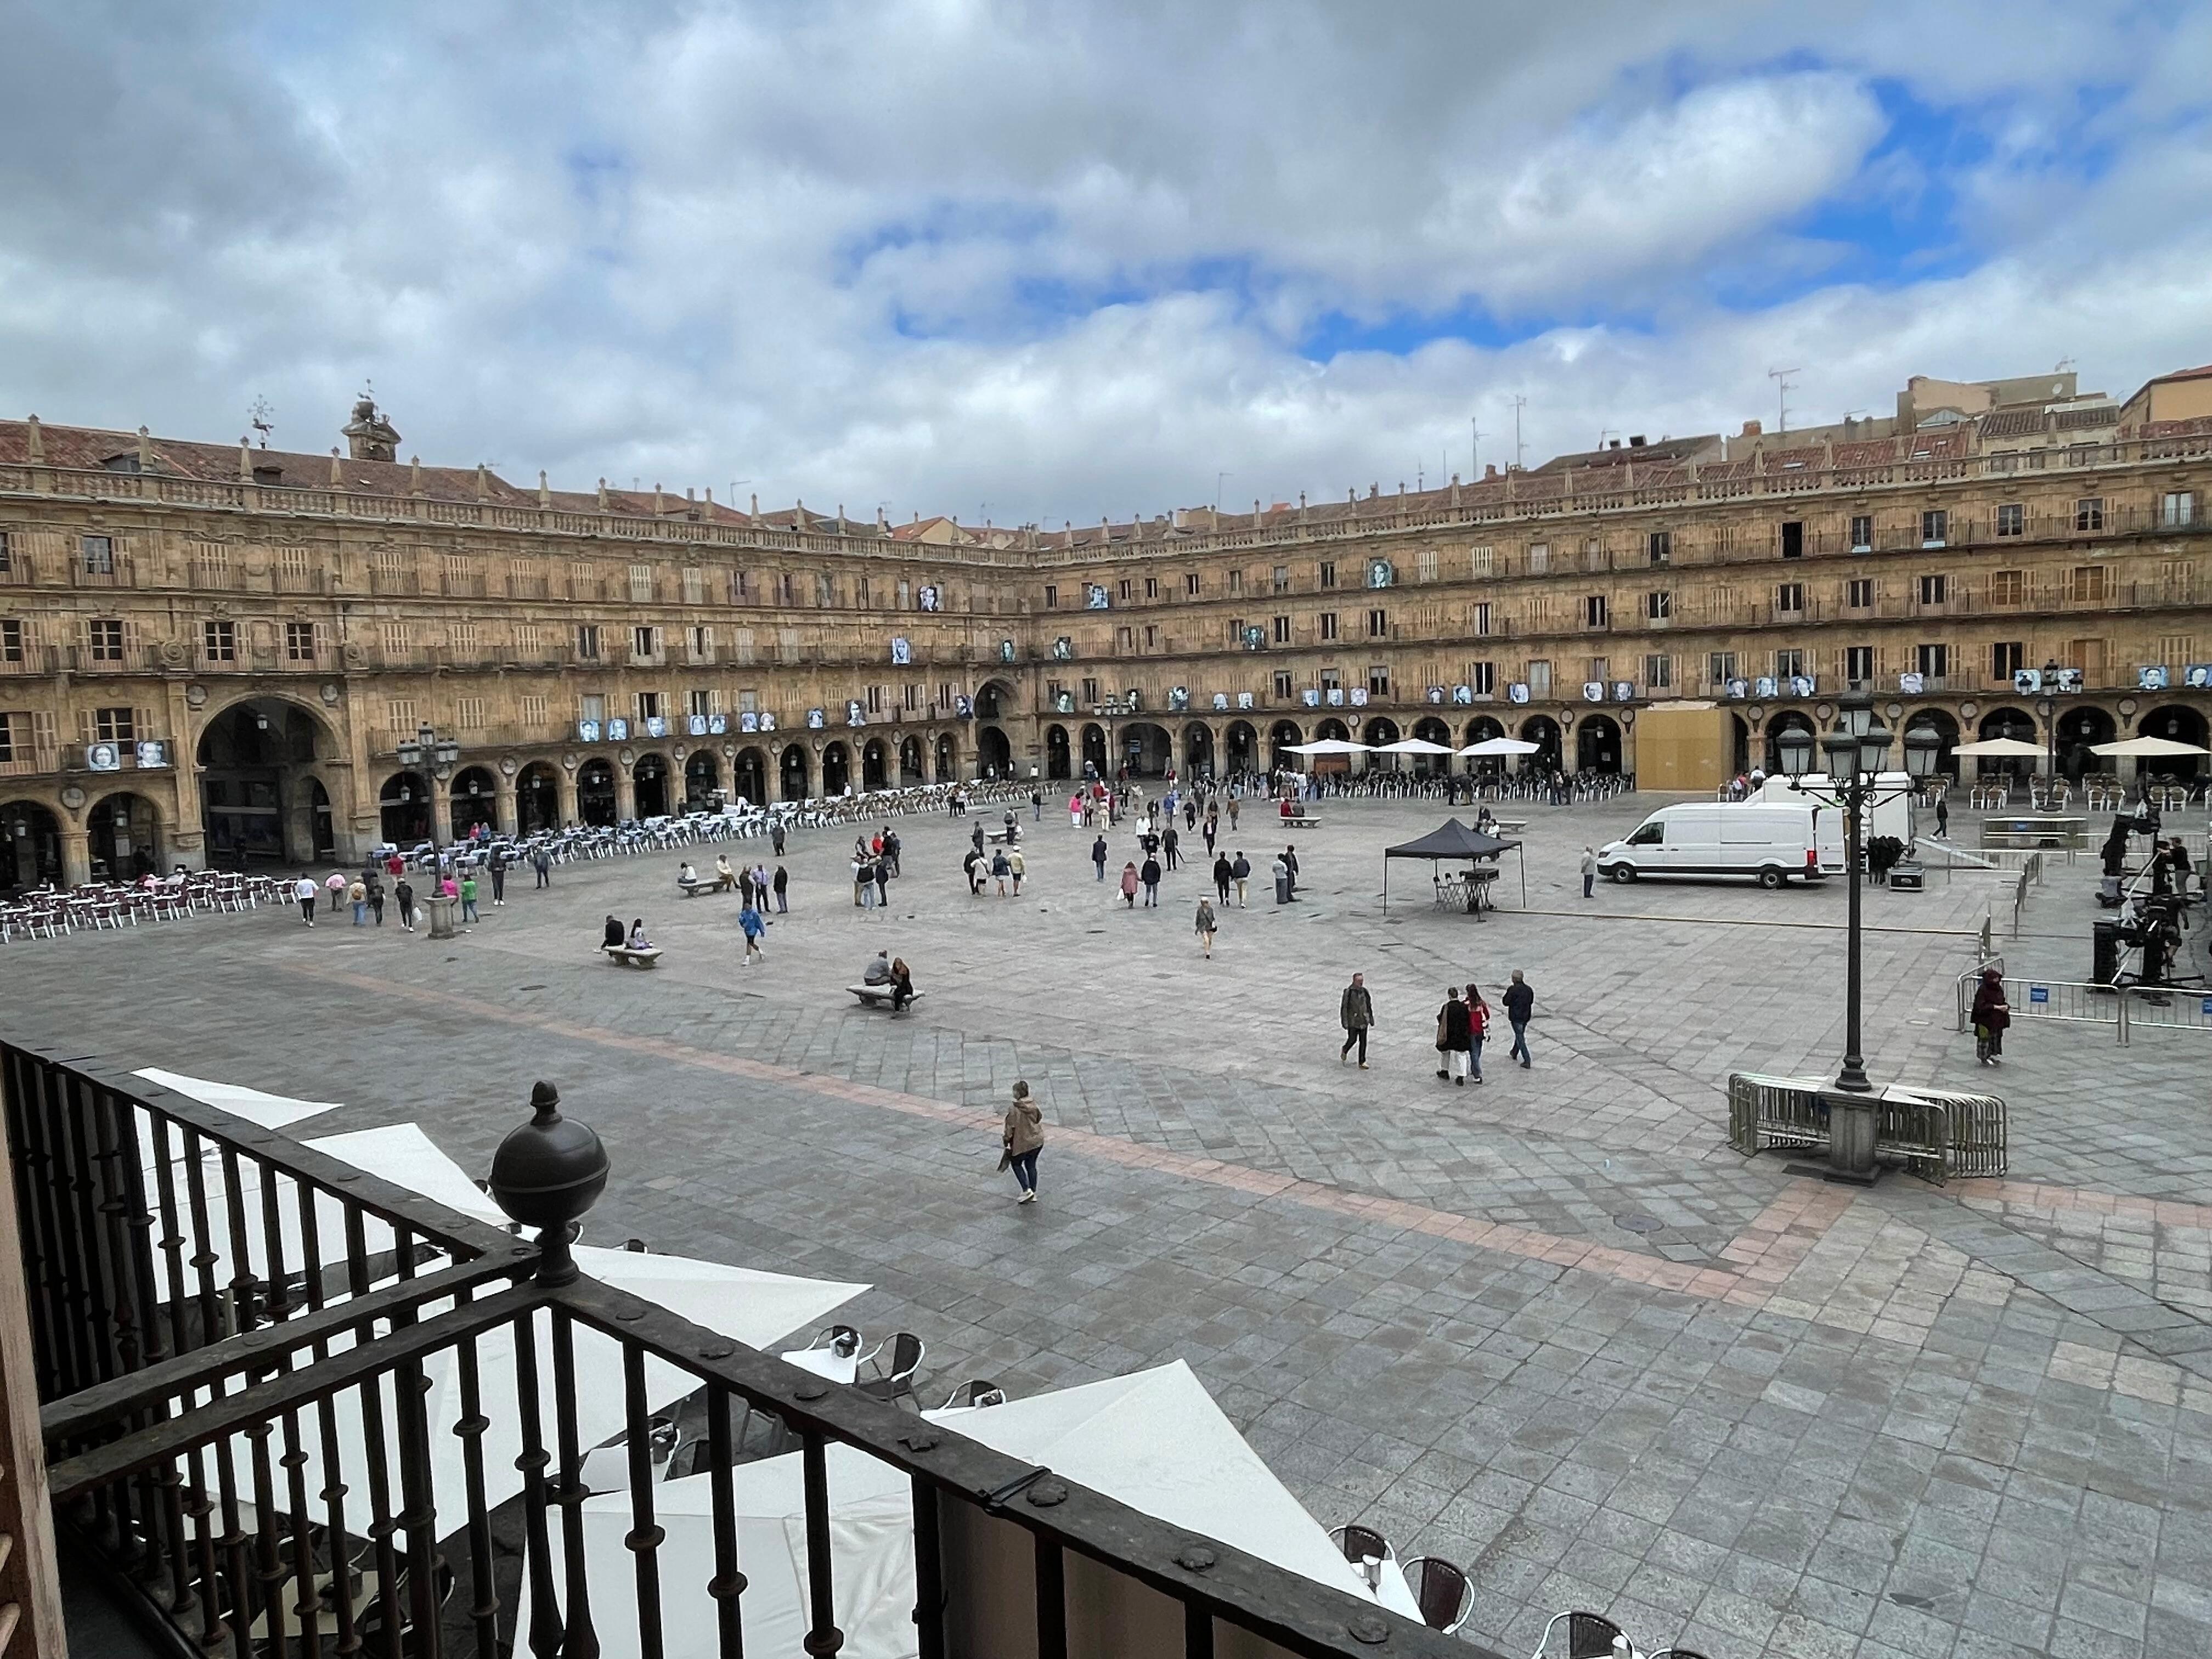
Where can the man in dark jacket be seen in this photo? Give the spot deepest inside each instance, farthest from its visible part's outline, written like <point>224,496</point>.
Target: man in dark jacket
<point>1169,842</point>
<point>1241,871</point>
<point>1222,875</point>
<point>1291,861</point>
<point>1520,999</point>
<point>1356,1011</point>
<point>1150,875</point>
<point>1098,856</point>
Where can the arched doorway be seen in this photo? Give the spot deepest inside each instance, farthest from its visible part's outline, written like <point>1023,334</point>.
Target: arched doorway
<point>1432,729</point>
<point>322,829</point>
<point>993,753</point>
<point>910,762</point>
<point>1740,752</point>
<point>648,782</point>
<point>1946,730</point>
<point>993,699</point>
<point>2078,727</point>
<point>792,772</point>
<point>702,780</point>
<point>595,792</point>
<point>1240,746</point>
<point>1198,751</point>
<point>126,837</point>
<point>1789,719</point>
<point>30,845</point>
<point>1381,731</point>
<point>836,768</point>
<point>1145,749</point>
<point>948,764</point>
<point>403,807</point>
<point>1058,762</point>
<point>1332,729</point>
<point>1544,731</point>
<point>2182,725</point>
<point>475,797</point>
<point>255,762</point>
<point>537,799</point>
<point>1094,749</point>
<point>752,779</point>
<point>2018,724</point>
<point>1282,736</point>
<point>1597,744</point>
<point>873,765</point>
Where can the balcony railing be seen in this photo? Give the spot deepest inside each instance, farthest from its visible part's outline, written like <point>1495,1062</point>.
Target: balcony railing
<point>281,1394</point>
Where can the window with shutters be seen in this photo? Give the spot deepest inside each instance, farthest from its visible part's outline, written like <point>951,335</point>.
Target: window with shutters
<point>1378,624</point>
<point>1788,664</point>
<point>1279,579</point>
<point>2012,519</point>
<point>219,640</point>
<point>2176,650</point>
<point>2089,583</point>
<point>525,579</point>
<point>391,638</point>
<point>98,555</point>
<point>592,706</point>
<point>530,706</point>
<point>1539,678</point>
<point>1236,583</point>
<point>700,641</point>
<point>2007,588</point>
<point>825,593</point>
<point>650,706</point>
<point>1481,562</point>
<point>1539,558</point>
<point>583,580</point>
<point>299,642</point>
<point>11,729</point>
<point>115,725</point>
<point>1789,597</point>
<point>1659,546</point>
<point>1933,660</point>
<point>468,713</point>
<point>1720,667</point>
<point>2177,510</point>
<point>1282,630</point>
<point>1793,538</point>
<point>1378,680</point>
<point>461,637</point>
<point>587,643</point>
<point>104,637</point>
<point>695,586</point>
<point>1658,607</point>
<point>703,702</point>
<point>1052,596</point>
<point>861,597</point>
<point>1594,610</point>
<point>293,567</point>
<point>1478,617</point>
<point>875,700</point>
<point>1425,564</point>
<point>641,584</point>
<point>1328,625</point>
<point>1151,587</point>
<point>1858,594</point>
<point>741,646</point>
<point>644,644</point>
<point>7,553</point>
<point>1935,528</point>
<point>1858,664</point>
<point>2089,513</point>
<point>529,642</point>
<point>14,640</point>
<point>1934,589</point>
<point>1482,679</point>
<point>1282,682</point>
<point>2007,658</point>
<point>399,716</point>
<point>1658,673</point>
<point>1331,680</point>
<point>1862,532</point>
<point>1191,586</point>
<point>786,587</point>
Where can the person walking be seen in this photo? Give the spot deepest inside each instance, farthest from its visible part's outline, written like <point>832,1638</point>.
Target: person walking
<point>376,896</point>
<point>1000,869</point>
<point>1205,927</point>
<point>972,865</point>
<point>305,890</point>
<point>1356,1011</point>
<point>1129,886</point>
<point>1222,875</point>
<point>775,837</point>
<point>1169,842</point>
<point>403,896</point>
<point>882,870</point>
<point>1942,818</point>
<point>1454,1038</point>
<point>1022,1138</point>
<point>782,880</point>
<point>1291,863</point>
<point>1992,1013</point>
<point>1478,1028</point>
<point>1036,805</point>
<point>357,896</point>
<point>1590,870</point>
<point>542,862</point>
<point>1240,873</point>
<point>469,898</point>
<point>1232,814</point>
<point>1213,831</point>
<point>1520,999</point>
<point>863,883</point>
<point>335,888</point>
<point>1018,867</point>
<point>1150,875</point>
<point>497,866</point>
<point>751,921</point>
<point>1098,856</point>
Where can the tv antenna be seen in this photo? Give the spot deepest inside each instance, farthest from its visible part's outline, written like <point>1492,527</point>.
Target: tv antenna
<point>1519,449</point>
<point>1474,449</point>
<point>1783,384</point>
<point>263,419</point>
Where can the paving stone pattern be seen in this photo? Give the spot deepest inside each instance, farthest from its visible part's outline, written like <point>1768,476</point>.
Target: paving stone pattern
<point>1550,1328</point>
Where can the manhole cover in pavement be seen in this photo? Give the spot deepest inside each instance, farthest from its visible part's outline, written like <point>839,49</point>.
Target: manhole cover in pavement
<point>529,988</point>
<point>1906,1599</point>
<point>1638,1223</point>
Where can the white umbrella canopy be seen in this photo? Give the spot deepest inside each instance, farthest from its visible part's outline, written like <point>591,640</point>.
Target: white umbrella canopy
<point>1154,1440</point>
<point>1329,747</point>
<point>1415,746</point>
<point>2148,748</point>
<point>1491,746</point>
<point>269,1111</point>
<point>1994,747</point>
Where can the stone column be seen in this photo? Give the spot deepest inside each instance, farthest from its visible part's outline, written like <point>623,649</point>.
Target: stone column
<point>625,793</point>
<point>441,810</point>
<point>299,820</point>
<point>77,855</point>
<point>565,787</point>
<point>504,813</point>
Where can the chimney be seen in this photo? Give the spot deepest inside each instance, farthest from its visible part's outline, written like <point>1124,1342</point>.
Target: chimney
<point>1490,473</point>
<point>1614,444</point>
<point>35,437</point>
<point>544,490</point>
<point>1750,430</point>
<point>1637,442</point>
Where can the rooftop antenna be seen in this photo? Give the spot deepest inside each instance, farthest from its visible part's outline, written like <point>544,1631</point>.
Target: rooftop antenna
<point>2063,366</point>
<point>1519,449</point>
<point>1474,449</point>
<point>263,419</point>
<point>1217,477</point>
<point>1783,384</point>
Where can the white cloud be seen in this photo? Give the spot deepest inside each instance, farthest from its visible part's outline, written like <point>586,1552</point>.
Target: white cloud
<point>1059,259</point>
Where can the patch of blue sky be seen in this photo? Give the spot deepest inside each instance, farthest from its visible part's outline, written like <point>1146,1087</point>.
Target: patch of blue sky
<point>943,224</point>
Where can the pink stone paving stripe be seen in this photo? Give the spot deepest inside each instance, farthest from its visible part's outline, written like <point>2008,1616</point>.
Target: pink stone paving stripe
<point>2035,1195</point>
<point>1774,1242</point>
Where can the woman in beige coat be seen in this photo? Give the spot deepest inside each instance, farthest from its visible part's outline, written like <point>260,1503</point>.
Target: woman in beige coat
<point>1023,1138</point>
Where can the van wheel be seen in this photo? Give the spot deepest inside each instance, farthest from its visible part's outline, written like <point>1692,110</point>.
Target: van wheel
<point>1623,873</point>
<point>1770,877</point>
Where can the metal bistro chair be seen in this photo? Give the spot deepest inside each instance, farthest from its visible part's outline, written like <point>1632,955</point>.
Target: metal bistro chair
<point>897,1381</point>
<point>1363,1544</point>
<point>1589,1635</point>
<point>1446,1597</point>
<point>1678,1652</point>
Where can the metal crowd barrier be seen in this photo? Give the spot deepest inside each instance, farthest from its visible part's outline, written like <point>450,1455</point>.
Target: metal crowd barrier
<point>1938,1134</point>
<point>2123,1007</point>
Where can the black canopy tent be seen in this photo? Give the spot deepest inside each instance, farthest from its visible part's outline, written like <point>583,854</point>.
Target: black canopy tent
<point>1454,840</point>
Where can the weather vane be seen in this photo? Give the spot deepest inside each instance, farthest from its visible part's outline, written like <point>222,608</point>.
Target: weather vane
<point>262,418</point>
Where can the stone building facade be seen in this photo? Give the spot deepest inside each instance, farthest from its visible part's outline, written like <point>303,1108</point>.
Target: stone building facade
<point>211,652</point>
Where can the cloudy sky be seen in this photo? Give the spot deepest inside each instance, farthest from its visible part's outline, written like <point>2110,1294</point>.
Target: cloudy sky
<point>1037,262</point>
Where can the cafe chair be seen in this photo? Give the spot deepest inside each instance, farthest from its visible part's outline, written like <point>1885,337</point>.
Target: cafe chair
<point>1360,1543</point>
<point>844,1339</point>
<point>1446,1598</point>
<point>1678,1652</point>
<point>897,1381</point>
<point>1589,1635</point>
<point>976,1391</point>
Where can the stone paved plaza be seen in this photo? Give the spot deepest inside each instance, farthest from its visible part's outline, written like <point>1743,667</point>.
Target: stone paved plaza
<point>1552,1327</point>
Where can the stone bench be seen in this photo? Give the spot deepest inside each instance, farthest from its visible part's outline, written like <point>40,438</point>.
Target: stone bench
<point>623,956</point>
<point>693,889</point>
<point>879,996</point>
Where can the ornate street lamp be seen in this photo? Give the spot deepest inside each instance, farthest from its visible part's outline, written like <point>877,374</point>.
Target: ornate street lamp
<point>437,757</point>
<point>1857,752</point>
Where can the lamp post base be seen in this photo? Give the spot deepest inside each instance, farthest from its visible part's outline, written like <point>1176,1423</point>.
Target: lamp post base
<point>440,912</point>
<point>1853,1125</point>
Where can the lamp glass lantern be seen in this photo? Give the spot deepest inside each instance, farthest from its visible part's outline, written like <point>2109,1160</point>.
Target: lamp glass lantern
<point>1842,750</point>
<point>1796,748</point>
<point>1855,713</point>
<point>1921,748</point>
<point>1874,742</point>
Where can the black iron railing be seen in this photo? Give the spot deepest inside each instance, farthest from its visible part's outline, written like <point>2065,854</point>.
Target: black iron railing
<point>247,1352</point>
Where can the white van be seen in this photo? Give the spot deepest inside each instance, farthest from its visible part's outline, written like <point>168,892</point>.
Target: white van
<point>1771,844</point>
<point>1890,815</point>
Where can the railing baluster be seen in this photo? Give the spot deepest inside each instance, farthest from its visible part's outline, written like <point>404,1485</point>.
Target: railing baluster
<point>204,1256</point>
<point>171,1241</point>
<point>123,1210</point>
<point>242,1286</point>
<point>337,1542</point>
<point>420,1515</point>
<point>483,1591</point>
<point>728,1583</point>
<point>928,1572</point>
<point>583,1641</point>
<point>33,1192</point>
<point>1197,1630</point>
<point>73,1198</point>
<point>1051,1599</point>
<point>269,1567</point>
<point>388,1614</point>
<point>545,1629</point>
<point>645,1537</point>
<point>825,1638</point>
